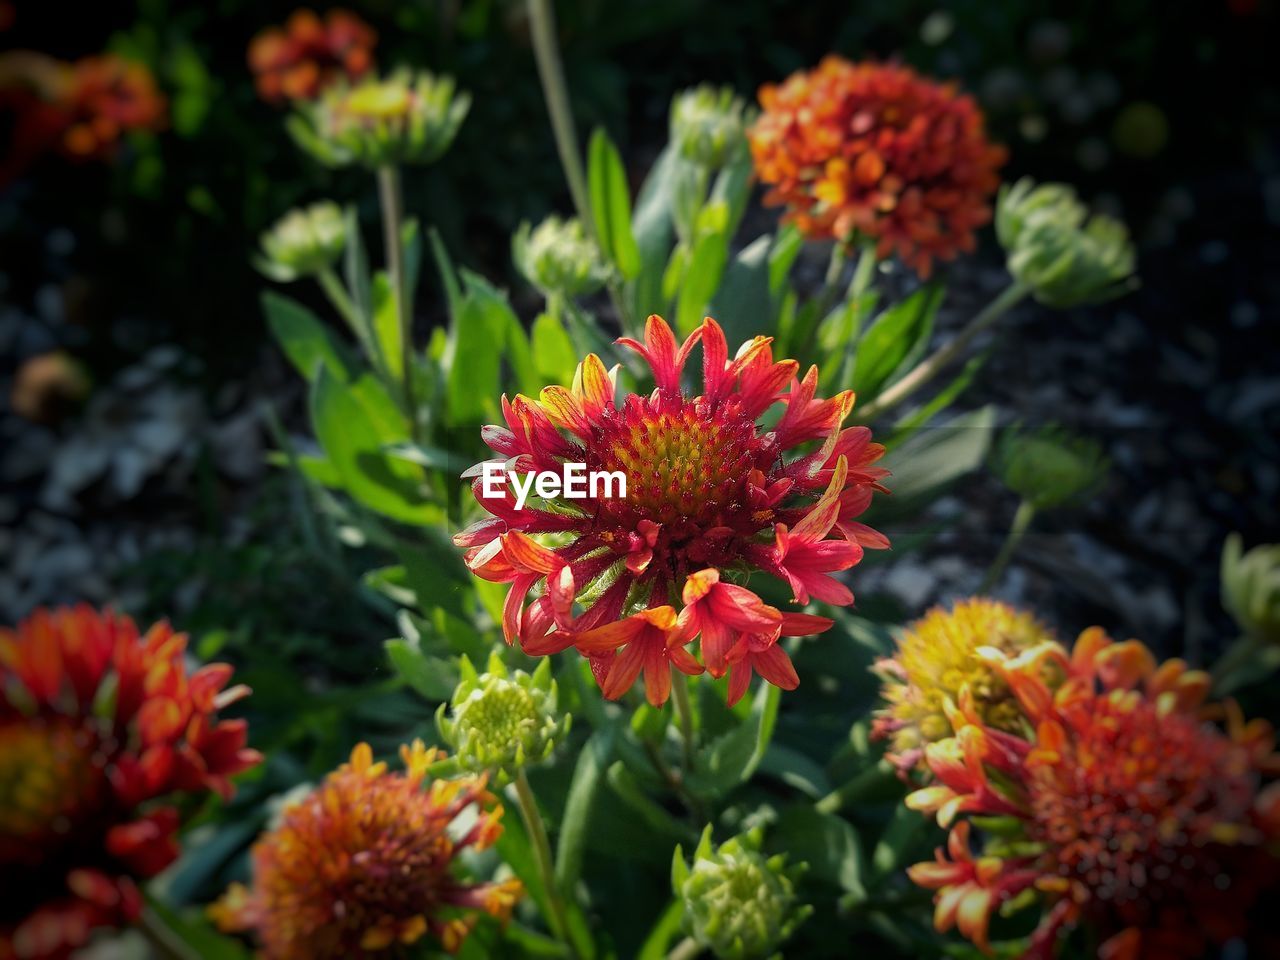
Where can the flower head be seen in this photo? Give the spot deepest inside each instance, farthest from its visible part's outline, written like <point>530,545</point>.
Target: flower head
<point>738,903</point>
<point>717,486</point>
<point>1123,809</point>
<point>305,241</point>
<point>937,658</point>
<point>367,862</point>
<point>1049,467</point>
<point>1251,588</point>
<point>708,125</point>
<point>879,152</point>
<point>306,55</point>
<point>559,258</point>
<point>501,721</point>
<point>404,117</point>
<point>1057,250</point>
<point>100,730</point>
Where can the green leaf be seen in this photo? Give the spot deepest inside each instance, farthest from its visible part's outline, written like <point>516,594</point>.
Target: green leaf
<point>628,789</point>
<point>667,928</point>
<point>733,758</point>
<point>826,842</point>
<point>786,247</point>
<point>356,269</point>
<point>434,678</point>
<point>743,305</point>
<point>197,933</point>
<point>931,460</point>
<point>943,399</point>
<point>576,823</point>
<point>893,336</point>
<point>611,204</point>
<point>353,424</point>
<point>386,324</point>
<point>654,233</point>
<point>553,353</point>
<point>306,341</point>
<point>701,280</point>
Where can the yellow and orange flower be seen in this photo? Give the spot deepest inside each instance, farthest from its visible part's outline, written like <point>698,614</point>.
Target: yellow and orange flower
<point>753,474</point>
<point>1126,811</point>
<point>100,729</point>
<point>297,61</point>
<point>80,110</point>
<point>876,151</point>
<point>937,657</point>
<point>366,863</point>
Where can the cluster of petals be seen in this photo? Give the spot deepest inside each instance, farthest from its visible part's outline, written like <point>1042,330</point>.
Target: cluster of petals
<point>876,151</point>
<point>719,485</point>
<point>1128,810</point>
<point>297,61</point>
<point>366,864</point>
<point>101,730</point>
<point>80,110</point>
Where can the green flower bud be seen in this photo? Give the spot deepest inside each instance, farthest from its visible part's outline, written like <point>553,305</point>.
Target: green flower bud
<point>1251,588</point>
<point>708,126</point>
<point>407,117</point>
<point>558,257</point>
<point>1049,467</point>
<point>303,242</point>
<point>738,903</point>
<point>1057,250</point>
<point>500,721</point>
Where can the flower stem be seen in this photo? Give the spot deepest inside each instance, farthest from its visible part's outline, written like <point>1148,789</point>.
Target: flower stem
<point>558,921</point>
<point>342,302</point>
<point>684,716</point>
<point>392,201</point>
<point>164,941</point>
<point>1021,521</point>
<point>686,949</point>
<point>868,781</point>
<point>546,52</point>
<point>938,360</point>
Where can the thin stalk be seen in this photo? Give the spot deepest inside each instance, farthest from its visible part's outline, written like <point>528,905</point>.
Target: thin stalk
<point>555,91</point>
<point>558,921</point>
<point>831,282</point>
<point>684,716</point>
<point>346,307</point>
<point>164,941</point>
<point>858,287</point>
<point>686,949</point>
<point>932,365</point>
<point>392,200</point>
<point>1021,521</point>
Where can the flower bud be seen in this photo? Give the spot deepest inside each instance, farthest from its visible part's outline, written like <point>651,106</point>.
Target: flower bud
<point>303,242</point>
<point>500,721</point>
<point>1057,250</point>
<point>558,257</point>
<point>1251,588</point>
<point>407,117</point>
<point>1049,467</point>
<point>737,903</point>
<point>708,126</point>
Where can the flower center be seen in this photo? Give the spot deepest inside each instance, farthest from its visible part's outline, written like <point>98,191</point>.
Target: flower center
<point>48,780</point>
<point>686,463</point>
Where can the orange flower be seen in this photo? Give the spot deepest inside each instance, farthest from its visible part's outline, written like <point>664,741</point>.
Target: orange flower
<point>877,151</point>
<point>366,863</point>
<point>297,61</point>
<point>1126,811</point>
<point>97,726</point>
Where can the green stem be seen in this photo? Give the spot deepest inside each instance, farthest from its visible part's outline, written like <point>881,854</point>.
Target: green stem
<point>164,941</point>
<point>686,949</point>
<point>546,52</point>
<point>863,274</point>
<point>1021,521</point>
<point>868,781</point>
<point>346,307</point>
<point>558,921</point>
<point>392,201</point>
<point>932,365</point>
<point>684,716</point>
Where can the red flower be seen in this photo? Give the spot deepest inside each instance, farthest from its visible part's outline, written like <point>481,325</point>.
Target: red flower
<point>98,726</point>
<point>298,61</point>
<point>651,640</point>
<point>712,485</point>
<point>877,151</point>
<point>366,864</point>
<point>1127,811</point>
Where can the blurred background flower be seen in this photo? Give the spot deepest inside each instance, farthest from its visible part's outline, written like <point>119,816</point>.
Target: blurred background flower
<point>299,60</point>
